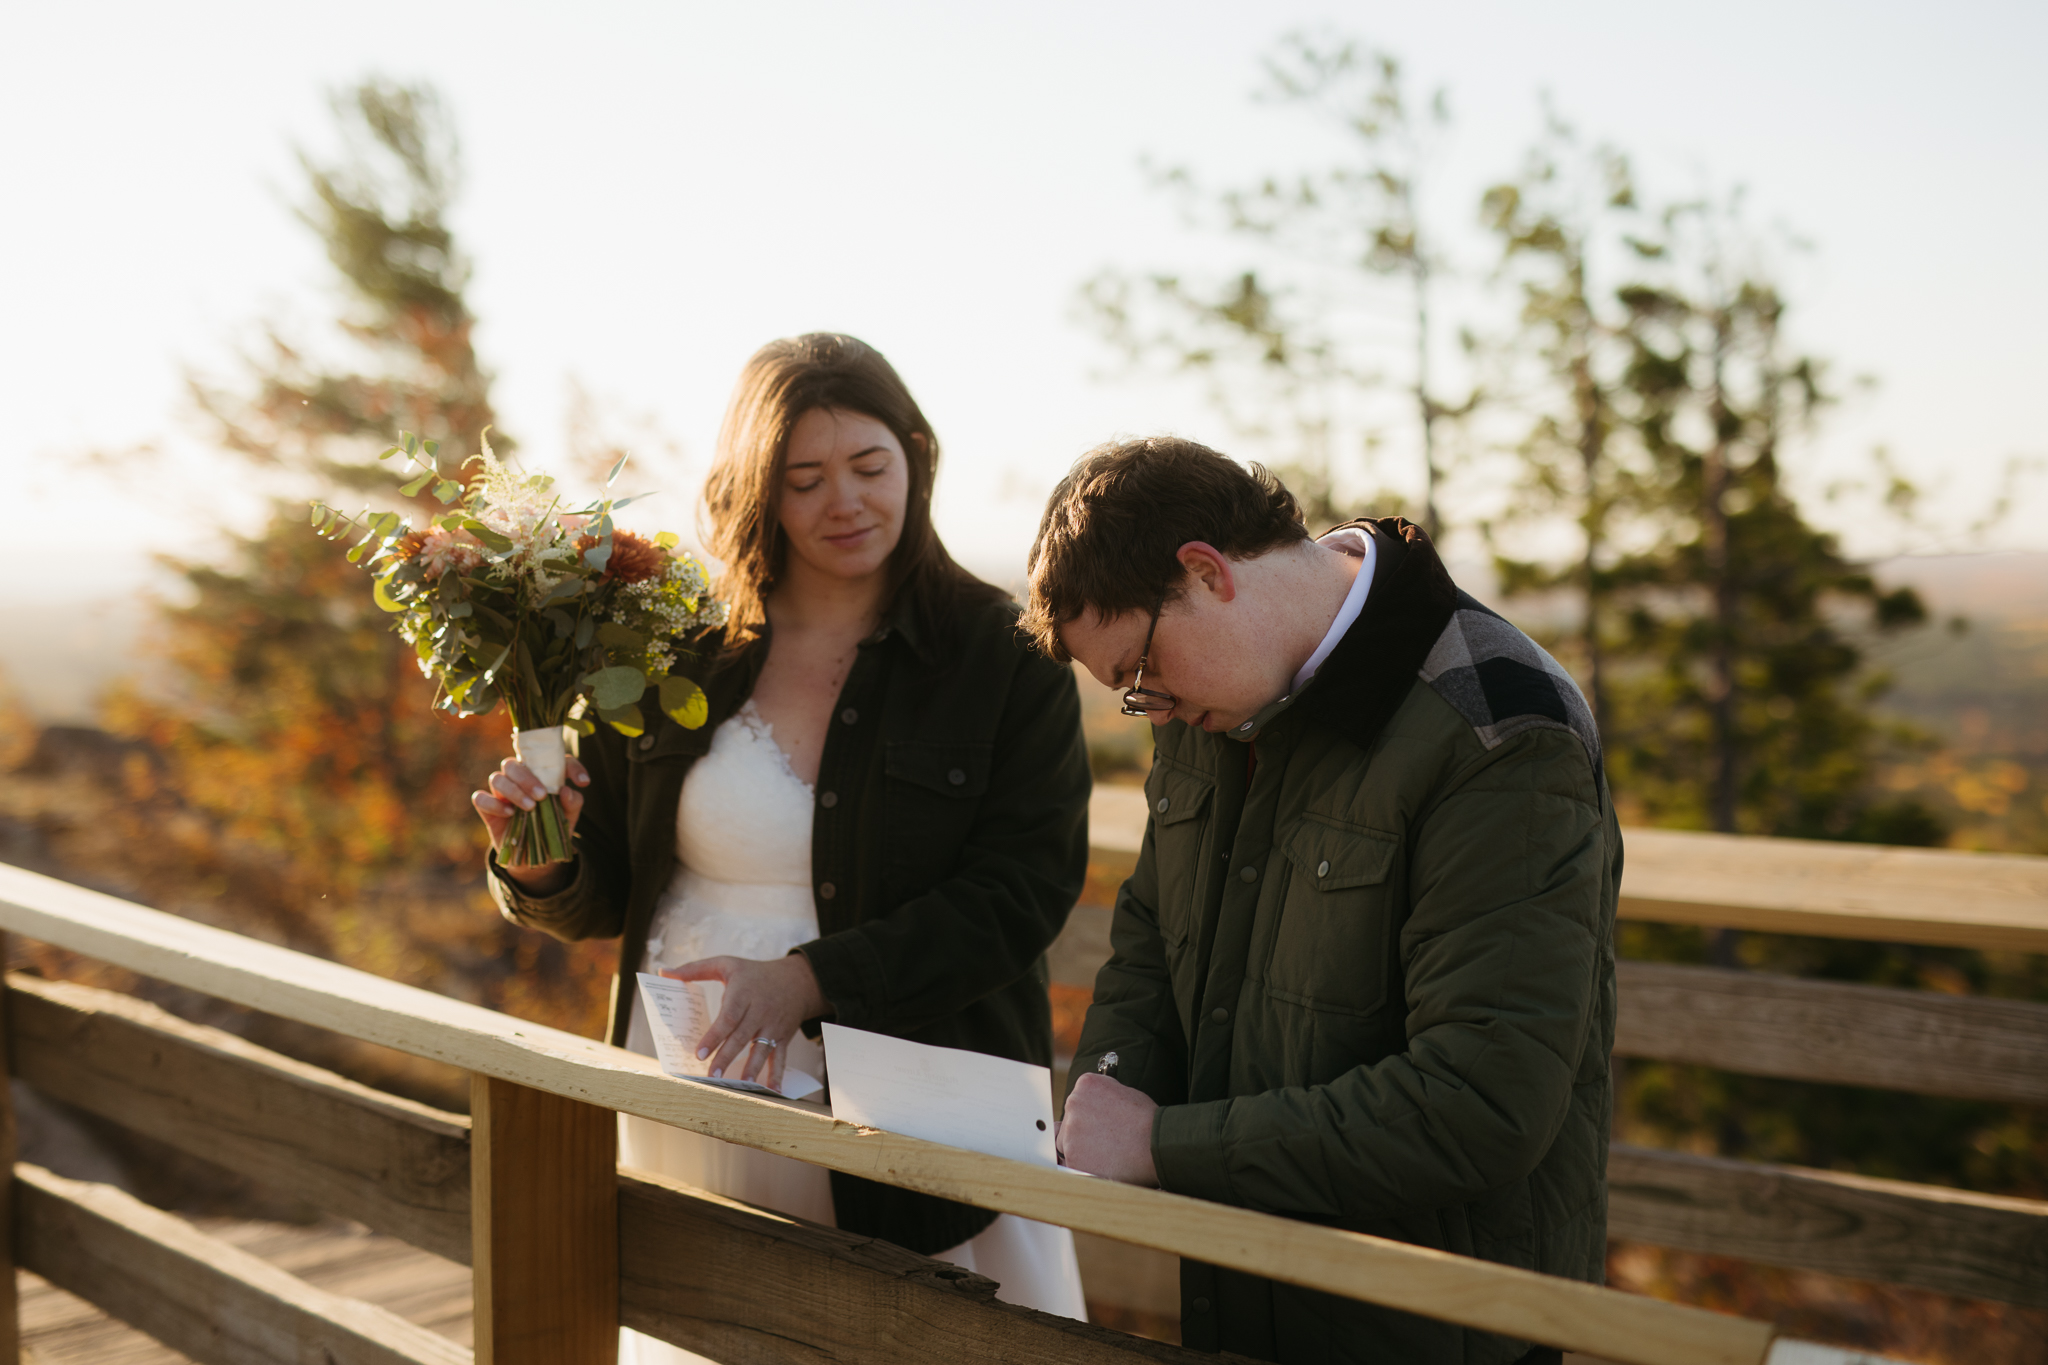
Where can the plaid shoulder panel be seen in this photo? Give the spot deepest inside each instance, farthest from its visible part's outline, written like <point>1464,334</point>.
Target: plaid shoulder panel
<point>1502,682</point>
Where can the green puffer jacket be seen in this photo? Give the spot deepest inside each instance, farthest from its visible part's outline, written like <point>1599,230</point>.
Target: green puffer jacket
<point>1365,965</point>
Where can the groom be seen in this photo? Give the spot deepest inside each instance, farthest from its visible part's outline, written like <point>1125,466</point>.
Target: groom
<point>1363,974</point>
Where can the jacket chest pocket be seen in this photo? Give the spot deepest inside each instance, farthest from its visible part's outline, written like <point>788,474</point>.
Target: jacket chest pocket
<point>932,793</point>
<point>1330,950</point>
<point>1179,802</point>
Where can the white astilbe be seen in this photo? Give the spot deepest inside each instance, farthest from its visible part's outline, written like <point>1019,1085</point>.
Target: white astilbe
<point>517,507</point>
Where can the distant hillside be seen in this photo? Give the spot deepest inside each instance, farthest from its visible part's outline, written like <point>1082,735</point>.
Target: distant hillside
<point>1983,691</point>
<point>57,656</point>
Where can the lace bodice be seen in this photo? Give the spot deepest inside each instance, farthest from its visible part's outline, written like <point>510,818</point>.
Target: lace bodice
<point>742,885</point>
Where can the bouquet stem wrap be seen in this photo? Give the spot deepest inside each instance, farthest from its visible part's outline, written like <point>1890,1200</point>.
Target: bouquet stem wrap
<point>541,835</point>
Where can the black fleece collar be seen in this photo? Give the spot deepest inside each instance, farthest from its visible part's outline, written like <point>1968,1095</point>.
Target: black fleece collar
<point>1368,674</point>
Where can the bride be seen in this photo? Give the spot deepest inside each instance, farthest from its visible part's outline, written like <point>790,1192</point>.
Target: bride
<point>883,822</point>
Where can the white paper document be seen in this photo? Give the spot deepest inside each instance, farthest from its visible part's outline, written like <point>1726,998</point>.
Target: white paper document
<point>941,1094</point>
<point>678,1012</point>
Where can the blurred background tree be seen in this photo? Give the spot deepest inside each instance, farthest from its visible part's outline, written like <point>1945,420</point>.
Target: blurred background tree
<point>1644,406</point>
<point>1296,367</point>
<point>298,784</point>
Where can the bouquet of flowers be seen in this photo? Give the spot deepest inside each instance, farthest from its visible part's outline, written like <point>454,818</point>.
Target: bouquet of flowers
<point>510,597</point>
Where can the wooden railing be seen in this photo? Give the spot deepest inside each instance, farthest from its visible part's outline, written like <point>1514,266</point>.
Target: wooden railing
<point>528,1193</point>
<point>1752,1023</point>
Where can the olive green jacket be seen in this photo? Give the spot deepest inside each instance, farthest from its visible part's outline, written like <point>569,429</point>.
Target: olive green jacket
<point>948,844</point>
<point>1365,966</point>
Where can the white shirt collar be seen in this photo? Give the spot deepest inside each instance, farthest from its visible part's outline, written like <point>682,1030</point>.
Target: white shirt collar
<point>1350,540</point>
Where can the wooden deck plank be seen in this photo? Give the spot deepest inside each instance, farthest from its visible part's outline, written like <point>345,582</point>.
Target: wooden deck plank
<point>211,1300</point>
<point>59,1328</point>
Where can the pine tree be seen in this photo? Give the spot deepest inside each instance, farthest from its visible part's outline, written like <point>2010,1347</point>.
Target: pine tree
<point>1572,460</point>
<point>296,730</point>
<point>1741,700</point>
<point>1295,354</point>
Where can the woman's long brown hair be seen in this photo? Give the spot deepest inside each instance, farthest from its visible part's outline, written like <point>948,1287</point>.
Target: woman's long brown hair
<point>743,495</point>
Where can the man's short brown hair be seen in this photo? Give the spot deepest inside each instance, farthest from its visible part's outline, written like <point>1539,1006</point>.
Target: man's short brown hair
<point>1114,526</point>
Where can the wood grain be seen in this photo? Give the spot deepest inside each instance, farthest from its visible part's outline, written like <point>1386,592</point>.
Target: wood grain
<point>1786,886</point>
<point>197,1294</point>
<point>1964,1047</point>
<point>1481,1294</point>
<point>388,1163</point>
<point>544,1227</point>
<point>747,1285</point>
<point>1952,1242</point>
<point>10,1291</point>
<point>1800,886</point>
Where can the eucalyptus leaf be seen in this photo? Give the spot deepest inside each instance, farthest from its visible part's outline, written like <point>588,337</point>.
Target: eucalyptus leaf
<point>585,628</point>
<point>447,490</point>
<point>380,591</point>
<point>612,635</point>
<point>627,720</point>
<point>412,490</point>
<point>486,535</point>
<point>564,627</point>
<point>684,702</point>
<point>599,555</point>
<point>612,688</point>
<point>612,477</point>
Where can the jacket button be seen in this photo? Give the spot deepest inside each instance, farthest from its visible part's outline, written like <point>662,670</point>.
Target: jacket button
<point>848,716</point>
<point>1219,1015</point>
<point>829,800</point>
<point>826,891</point>
<point>646,742</point>
<point>1163,804</point>
<point>1250,874</point>
<point>1200,1305</point>
<point>1323,868</point>
<point>957,777</point>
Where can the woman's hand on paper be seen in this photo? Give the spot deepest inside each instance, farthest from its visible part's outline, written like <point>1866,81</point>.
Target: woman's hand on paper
<point>1107,1131</point>
<point>513,788</point>
<point>762,1000</point>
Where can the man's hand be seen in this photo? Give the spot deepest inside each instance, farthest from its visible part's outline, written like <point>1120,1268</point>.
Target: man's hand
<point>1107,1131</point>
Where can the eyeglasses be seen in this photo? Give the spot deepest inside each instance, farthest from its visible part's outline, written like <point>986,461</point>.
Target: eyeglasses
<point>1140,700</point>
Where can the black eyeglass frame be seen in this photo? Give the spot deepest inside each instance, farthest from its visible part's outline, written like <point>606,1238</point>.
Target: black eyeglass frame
<point>1140,700</point>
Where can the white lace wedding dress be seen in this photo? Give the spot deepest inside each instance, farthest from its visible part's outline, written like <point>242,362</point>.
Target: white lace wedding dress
<point>742,888</point>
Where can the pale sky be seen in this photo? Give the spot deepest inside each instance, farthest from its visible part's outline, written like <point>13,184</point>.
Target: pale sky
<point>655,189</point>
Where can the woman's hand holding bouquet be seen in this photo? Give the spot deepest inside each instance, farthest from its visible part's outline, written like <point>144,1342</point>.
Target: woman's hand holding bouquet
<point>510,597</point>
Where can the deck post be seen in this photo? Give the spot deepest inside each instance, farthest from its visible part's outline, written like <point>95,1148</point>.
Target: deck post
<point>10,1296</point>
<point>544,1225</point>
